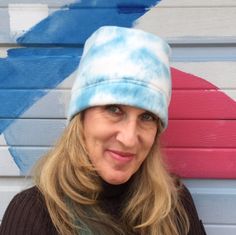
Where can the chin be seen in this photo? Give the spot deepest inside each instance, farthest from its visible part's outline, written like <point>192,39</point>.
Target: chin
<point>116,180</point>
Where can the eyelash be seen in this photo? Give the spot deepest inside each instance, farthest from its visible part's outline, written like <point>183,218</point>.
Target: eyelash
<point>153,118</point>
<point>116,110</point>
<point>111,108</point>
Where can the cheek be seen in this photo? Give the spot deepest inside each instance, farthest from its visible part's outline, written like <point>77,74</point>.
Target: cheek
<point>92,134</point>
<point>95,142</point>
<point>96,132</point>
<point>94,151</point>
<point>150,138</point>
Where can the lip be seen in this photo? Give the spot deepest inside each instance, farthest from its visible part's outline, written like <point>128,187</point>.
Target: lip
<point>123,157</point>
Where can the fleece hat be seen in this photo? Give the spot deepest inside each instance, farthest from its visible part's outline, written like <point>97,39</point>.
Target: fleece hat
<point>123,66</point>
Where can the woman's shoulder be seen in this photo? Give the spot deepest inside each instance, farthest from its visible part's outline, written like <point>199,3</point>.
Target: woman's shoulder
<point>28,200</point>
<point>27,195</point>
<point>27,214</point>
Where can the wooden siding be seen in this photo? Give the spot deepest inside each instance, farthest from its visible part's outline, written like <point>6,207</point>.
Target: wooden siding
<point>40,48</point>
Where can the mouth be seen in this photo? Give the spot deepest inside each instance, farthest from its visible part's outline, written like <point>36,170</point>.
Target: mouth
<point>120,156</point>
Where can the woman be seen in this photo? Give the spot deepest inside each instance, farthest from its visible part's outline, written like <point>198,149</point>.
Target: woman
<point>106,176</point>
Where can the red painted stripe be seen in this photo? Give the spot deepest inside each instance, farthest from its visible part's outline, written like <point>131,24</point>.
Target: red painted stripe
<point>200,148</point>
<point>201,104</point>
<point>200,133</point>
<point>202,163</point>
<point>182,80</point>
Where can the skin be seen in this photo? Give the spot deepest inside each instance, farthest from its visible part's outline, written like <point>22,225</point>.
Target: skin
<point>118,139</point>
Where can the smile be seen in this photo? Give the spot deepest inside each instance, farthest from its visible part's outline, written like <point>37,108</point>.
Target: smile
<point>122,157</point>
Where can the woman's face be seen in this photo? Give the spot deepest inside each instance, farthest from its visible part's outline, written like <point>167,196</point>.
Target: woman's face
<point>118,139</point>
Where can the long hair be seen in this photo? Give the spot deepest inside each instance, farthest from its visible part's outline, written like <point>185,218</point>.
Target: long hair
<point>71,187</point>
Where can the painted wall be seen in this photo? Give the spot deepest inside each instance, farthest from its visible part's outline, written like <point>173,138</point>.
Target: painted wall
<point>40,48</point>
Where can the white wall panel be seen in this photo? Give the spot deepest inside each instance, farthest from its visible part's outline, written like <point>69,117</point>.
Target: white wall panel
<point>191,24</point>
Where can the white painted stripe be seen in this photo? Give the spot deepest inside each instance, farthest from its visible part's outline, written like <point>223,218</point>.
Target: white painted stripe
<point>231,94</point>
<point>25,16</point>
<point>34,132</point>
<point>3,52</point>
<point>171,24</point>
<point>7,165</point>
<point>199,3</point>
<point>2,140</point>
<point>53,105</point>
<point>68,82</point>
<point>219,229</point>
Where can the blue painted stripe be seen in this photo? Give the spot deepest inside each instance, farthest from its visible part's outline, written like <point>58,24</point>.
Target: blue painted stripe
<point>115,3</point>
<point>4,123</point>
<point>36,71</point>
<point>16,102</point>
<point>26,158</point>
<point>73,26</point>
<point>40,52</point>
<point>31,73</point>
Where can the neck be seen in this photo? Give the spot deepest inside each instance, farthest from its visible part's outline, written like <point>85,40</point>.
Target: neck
<point>111,190</point>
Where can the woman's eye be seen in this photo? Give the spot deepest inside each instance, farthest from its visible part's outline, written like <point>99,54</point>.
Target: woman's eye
<point>148,117</point>
<point>113,109</point>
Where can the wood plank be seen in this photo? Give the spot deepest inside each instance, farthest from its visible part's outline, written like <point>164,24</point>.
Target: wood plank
<point>180,133</point>
<point>202,24</point>
<point>34,132</point>
<point>8,166</point>
<point>204,75</point>
<point>207,52</point>
<point>199,3</point>
<point>214,200</point>
<point>219,229</point>
<point>94,4</point>
<point>202,162</point>
<point>5,36</point>
<point>215,208</point>
<point>166,3</point>
<point>189,162</point>
<point>51,3</point>
<point>35,68</point>
<point>185,162</point>
<point>196,28</point>
<point>52,30</point>
<point>29,68</point>
<point>211,185</point>
<point>200,133</point>
<point>194,75</point>
<point>202,104</point>
<point>53,104</point>
<point>185,104</point>
<point>17,161</point>
<point>183,80</point>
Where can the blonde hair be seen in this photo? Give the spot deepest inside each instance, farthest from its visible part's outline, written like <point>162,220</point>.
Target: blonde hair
<point>71,186</point>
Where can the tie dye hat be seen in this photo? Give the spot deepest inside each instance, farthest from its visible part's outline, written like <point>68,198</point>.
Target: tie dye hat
<point>123,66</point>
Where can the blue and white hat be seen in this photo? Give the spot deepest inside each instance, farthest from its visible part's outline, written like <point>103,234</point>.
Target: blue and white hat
<point>123,66</point>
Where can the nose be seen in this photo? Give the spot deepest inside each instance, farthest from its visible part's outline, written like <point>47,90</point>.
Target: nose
<point>128,133</point>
